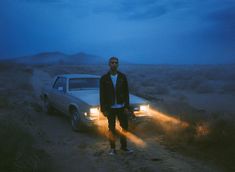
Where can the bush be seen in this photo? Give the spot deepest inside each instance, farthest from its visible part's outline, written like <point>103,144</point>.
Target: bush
<point>211,137</point>
<point>228,87</point>
<point>204,88</point>
<point>161,89</point>
<point>4,102</point>
<point>17,152</point>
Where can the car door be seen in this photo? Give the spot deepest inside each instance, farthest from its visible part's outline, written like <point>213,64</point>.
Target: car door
<point>62,97</point>
<point>58,92</point>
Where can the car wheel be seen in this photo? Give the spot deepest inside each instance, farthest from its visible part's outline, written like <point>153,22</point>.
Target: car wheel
<point>76,121</point>
<point>47,107</point>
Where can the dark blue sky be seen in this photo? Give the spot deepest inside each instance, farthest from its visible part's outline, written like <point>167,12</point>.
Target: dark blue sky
<point>143,31</point>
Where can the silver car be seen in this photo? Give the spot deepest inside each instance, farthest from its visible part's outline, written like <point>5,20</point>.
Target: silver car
<point>77,96</point>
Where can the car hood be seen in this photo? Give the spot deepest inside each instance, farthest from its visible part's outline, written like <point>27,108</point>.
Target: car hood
<point>92,98</point>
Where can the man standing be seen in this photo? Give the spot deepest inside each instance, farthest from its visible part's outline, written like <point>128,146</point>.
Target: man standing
<point>114,102</point>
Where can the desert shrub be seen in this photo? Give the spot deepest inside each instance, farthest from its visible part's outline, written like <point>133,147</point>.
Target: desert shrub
<point>134,85</point>
<point>218,142</point>
<point>23,82</point>
<point>26,86</point>
<point>145,82</point>
<point>4,102</point>
<point>196,81</point>
<point>161,89</point>
<point>204,88</point>
<point>147,90</point>
<point>225,73</point>
<point>228,87</point>
<point>211,72</point>
<point>153,89</point>
<point>196,84</point>
<point>178,85</point>
<point>5,66</point>
<point>36,106</point>
<point>17,152</point>
<point>28,70</point>
<point>211,137</point>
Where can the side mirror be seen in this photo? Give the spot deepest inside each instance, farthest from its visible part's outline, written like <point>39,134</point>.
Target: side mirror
<point>60,89</point>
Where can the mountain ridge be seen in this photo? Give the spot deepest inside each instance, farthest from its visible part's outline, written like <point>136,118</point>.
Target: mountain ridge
<point>57,57</point>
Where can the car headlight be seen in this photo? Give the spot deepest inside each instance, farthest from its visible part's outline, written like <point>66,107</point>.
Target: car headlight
<point>94,111</point>
<point>144,108</point>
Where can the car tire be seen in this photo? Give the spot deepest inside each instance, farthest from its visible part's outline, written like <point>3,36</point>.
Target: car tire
<point>76,121</point>
<point>47,107</point>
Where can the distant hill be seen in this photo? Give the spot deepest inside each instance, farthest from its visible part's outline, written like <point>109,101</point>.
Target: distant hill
<point>60,58</point>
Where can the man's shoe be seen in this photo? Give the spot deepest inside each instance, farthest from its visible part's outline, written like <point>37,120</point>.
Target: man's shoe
<point>126,150</point>
<point>112,152</point>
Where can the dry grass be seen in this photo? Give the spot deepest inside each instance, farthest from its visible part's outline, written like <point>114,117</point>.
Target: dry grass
<point>17,152</point>
<point>208,137</point>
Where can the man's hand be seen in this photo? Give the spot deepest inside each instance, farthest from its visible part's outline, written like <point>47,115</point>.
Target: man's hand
<point>105,114</point>
<point>126,111</point>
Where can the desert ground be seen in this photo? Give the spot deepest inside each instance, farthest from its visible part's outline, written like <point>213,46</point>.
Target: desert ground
<point>193,128</point>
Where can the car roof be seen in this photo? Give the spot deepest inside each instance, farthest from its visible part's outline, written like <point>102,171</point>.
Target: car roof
<point>79,76</point>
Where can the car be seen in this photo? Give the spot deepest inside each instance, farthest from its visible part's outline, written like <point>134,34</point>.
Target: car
<point>77,96</point>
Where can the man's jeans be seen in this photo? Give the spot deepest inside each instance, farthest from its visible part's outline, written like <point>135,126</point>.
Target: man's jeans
<point>123,120</point>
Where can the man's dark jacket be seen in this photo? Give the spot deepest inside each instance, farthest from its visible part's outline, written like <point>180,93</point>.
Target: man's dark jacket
<point>107,91</point>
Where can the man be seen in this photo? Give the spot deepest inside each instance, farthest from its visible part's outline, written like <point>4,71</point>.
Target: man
<point>114,102</point>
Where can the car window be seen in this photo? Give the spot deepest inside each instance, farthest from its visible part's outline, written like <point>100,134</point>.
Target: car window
<point>60,82</point>
<point>83,83</point>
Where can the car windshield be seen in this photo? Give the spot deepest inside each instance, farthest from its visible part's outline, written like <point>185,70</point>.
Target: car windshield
<point>83,83</point>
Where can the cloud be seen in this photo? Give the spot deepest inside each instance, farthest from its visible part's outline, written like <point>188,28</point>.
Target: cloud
<point>223,20</point>
<point>224,15</point>
<point>43,1</point>
<point>139,9</point>
<point>122,9</point>
<point>146,13</point>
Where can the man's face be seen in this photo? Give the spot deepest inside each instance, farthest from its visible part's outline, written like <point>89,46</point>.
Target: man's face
<point>113,64</point>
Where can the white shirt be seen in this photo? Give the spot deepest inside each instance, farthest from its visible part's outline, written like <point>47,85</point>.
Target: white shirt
<point>114,80</point>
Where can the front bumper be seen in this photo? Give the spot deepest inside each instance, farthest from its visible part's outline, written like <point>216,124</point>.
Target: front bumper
<point>133,116</point>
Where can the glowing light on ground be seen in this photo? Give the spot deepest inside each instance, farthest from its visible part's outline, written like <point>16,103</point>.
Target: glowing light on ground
<point>166,121</point>
<point>102,126</point>
<point>131,137</point>
<point>202,129</point>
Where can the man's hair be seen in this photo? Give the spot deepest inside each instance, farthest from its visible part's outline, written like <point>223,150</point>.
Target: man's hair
<point>111,58</point>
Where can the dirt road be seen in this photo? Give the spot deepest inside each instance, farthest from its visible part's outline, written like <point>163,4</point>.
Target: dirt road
<point>72,151</point>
